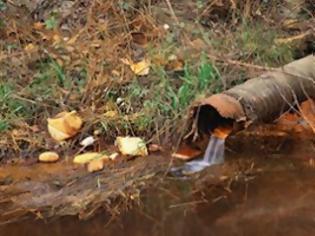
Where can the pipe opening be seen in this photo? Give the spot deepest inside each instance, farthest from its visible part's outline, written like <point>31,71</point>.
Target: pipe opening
<point>208,119</point>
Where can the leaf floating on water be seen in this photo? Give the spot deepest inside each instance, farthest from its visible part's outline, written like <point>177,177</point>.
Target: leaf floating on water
<point>131,146</point>
<point>139,68</point>
<point>186,153</point>
<point>64,125</point>
<point>48,157</point>
<point>88,157</point>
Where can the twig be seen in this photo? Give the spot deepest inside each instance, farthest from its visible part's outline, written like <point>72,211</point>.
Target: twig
<point>188,203</point>
<point>172,11</point>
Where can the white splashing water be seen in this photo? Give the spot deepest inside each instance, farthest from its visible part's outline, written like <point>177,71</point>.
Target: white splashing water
<point>214,154</point>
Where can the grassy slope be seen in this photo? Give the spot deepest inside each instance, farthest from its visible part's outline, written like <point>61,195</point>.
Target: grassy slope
<point>72,60</point>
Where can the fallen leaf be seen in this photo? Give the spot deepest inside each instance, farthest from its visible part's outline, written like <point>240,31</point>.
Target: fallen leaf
<point>30,47</point>
<point>139,68</point>
<point>95,165</point>
<point>175,65</point>
<point>222,132</point>
<point>88,157</point>
<point>186,153</point>
<point>139,38</point>
<point>111,114</point>
<point>64,125</point>
<point>38,25</point>
<point>132,146</point>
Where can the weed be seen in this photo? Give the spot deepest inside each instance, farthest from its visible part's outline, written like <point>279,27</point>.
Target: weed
<point>251,41</point>
<point>3,5</point>
<point>10,107</point>
<point>166,98</point>
<point>4,125</point>
<point>257,42</point>
<point>51,23</point>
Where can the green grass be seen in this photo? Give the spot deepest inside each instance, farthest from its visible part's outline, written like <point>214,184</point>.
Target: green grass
<point>44,88</point>
<point>10,107</point>
<point>4,125</point>
<point>3,5</point>
<point>51,23</point>
<point>258,42</point>
<point>144,105</point>
<point>252,42</point>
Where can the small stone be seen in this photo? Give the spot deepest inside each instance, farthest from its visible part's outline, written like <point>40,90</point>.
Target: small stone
<point>113,156</point>
<point>155,148</point>
<point>88,141</point>
<point>48,157</point>
<point>166,27</point>
<point>95,165</point>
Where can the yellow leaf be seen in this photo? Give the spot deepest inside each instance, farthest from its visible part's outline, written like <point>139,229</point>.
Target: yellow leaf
<point>64,125</point>
<point>38,25</point>
<point>111,114</point>
<point>95,165</point>
<point>132,146</point>
<point>88,157</point>
<point>30,47</point>
<point>139,68</point>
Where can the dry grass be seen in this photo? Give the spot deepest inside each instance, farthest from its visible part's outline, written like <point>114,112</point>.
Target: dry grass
<point>69,57</point>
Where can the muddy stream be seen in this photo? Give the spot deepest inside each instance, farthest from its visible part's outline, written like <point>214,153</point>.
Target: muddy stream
<point>265,187</point>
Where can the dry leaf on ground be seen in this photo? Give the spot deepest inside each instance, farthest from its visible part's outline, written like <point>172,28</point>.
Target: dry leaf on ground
<point>139,68</point>
<point>88,157</point>
<point>64,125</point>
<point>131,146</point>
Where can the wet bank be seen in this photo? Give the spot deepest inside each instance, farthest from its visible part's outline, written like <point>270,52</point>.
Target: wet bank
<point>266,187</point>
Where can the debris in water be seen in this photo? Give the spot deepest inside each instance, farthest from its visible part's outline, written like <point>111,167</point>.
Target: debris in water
<point>95,165</point>
<point>48,157</point>
<point>88,157</point>
<point>64,125</point>
<point>186,153</point>
<point>131,146</point>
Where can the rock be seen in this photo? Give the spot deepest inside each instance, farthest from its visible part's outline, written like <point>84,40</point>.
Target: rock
<point>48,157</point>
<point>88,157</point>
<point>113,156</point>
<point>155,148</point>
<point>131,146</point>
<point>95,165</point>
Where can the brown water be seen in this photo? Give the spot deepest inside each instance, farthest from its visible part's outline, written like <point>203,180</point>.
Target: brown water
<point>268,193</point>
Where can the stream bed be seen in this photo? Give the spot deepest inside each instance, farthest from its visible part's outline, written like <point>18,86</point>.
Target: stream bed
<point>262,190</point>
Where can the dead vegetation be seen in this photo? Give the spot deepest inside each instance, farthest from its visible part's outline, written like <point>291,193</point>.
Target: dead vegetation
<point>128,68</point>
<point>71,54</point>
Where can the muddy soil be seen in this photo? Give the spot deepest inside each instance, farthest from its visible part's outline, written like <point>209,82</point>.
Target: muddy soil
<point>266,187</point>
